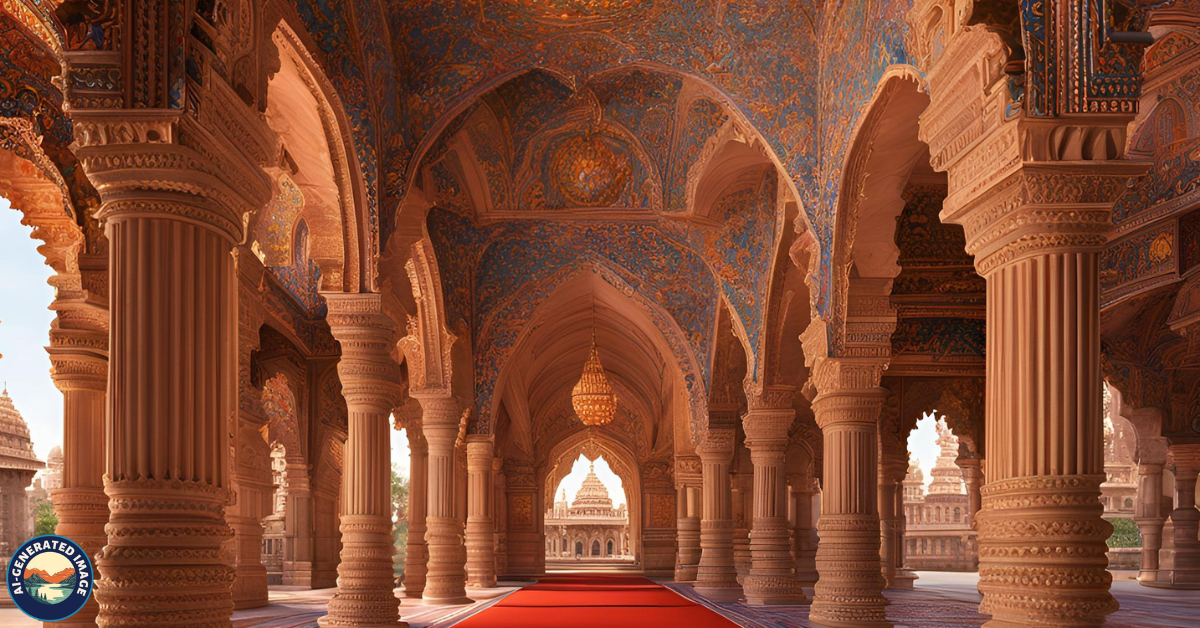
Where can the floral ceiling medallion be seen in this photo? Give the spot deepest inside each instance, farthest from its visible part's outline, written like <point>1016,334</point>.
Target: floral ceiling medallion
<point>588,172</point>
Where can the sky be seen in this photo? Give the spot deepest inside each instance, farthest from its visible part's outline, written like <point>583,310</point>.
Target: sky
<point>400,454</point>
<point>922,442</point>
<point>25,331</point>
<point>579,471</point>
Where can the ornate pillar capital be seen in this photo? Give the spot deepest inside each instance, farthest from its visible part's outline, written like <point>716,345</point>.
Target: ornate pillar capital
<point>80,356</point>
<point>369,374</point>
<point>1185,459</point>
<point>835,375</point>
<point>688,471</point>
<point>716,443</point>
<point>164,163</point>
<point>439,410</point>
<point>479,451</point>
<point>1038,207</point>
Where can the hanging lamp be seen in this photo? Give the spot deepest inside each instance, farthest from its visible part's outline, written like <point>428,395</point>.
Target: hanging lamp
<point>593,397</point>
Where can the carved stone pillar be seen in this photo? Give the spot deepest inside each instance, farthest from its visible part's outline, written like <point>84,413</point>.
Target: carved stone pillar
<point>173,197</point>
<point>251,482</point>
<point>802,490</point>
<point>772,576</point>
<point>298,546</point>
<point>481,541</point>
<point>371,386</point>
<point>79,354</point>
<point>416,553</point>
<point>445,581</point>
<point>847,406</point>
<point>972,470</point>
<point>742,498</point>
<point>1044,414</point>
<point>500,514</point>
<point>173,368</point>
<point>1032,181</point>
<point>1179,560</point>
<point>1149,517</point>
<point>716,576</point>
<point>689,478</point>
<point>525,538</point>
<point>245,517</point>
<point>892,469</point>
<point>1036,237</point>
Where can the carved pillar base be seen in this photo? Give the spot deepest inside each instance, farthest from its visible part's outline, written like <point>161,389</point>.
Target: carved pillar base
<point>364,597</point>
<point>82,515</point>
<point>163,563</point>
<point>1179,560</point>
<point>716,576</point>
<point>250,576</point>
<point>1043,553</point>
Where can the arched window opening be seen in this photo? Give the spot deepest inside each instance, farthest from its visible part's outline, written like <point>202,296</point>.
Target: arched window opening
<point>936,491</point>
<point>590,505</point>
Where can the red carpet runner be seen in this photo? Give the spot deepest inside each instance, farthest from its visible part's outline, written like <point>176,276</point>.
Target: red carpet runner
<point>595,601</point>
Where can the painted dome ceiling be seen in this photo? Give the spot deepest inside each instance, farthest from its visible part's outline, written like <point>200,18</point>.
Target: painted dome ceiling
<point>627,140</point>
<point>641,176</point>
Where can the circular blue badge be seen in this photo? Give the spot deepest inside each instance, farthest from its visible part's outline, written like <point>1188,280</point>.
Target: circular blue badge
<point>49,577</point>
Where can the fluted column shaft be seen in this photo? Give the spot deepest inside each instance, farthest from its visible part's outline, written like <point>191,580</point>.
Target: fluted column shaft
<point>172,383</point>
<point>891,522</point>
<point>742,498</point>
<point>1042,550</point>
<point>445,580</point>
<point>370,384</point>
<point>972,470</point>
<point>481,541</point>
<point>687,532</point>
<point>80,359</point>
<point>802,488</point>
<point>298,548</point>
<point>417,553</point>
<point>849,591</point>
<point>716,575</point>
<point>772,577</point>
<point>1149,517</point>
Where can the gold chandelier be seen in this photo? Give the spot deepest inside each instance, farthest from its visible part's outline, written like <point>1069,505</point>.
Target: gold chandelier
<point>593,397</point>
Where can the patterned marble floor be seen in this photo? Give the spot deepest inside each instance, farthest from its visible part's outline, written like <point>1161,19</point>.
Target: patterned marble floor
<point>950,600</point>
<point>940,600</point>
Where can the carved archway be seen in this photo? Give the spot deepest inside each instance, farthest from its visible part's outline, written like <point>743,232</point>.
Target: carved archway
<point>562,456</point>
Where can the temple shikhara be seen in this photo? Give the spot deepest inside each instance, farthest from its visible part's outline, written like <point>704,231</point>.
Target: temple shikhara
<point>588,526</point>
<point>737,249</point>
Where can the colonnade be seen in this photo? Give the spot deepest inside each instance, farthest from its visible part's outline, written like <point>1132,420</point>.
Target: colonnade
<point>169,473</point>
<point>148,492</point>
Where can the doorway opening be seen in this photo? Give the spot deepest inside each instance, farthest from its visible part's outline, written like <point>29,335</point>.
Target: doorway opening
<point>938,534</point>
<point>589,521</point>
